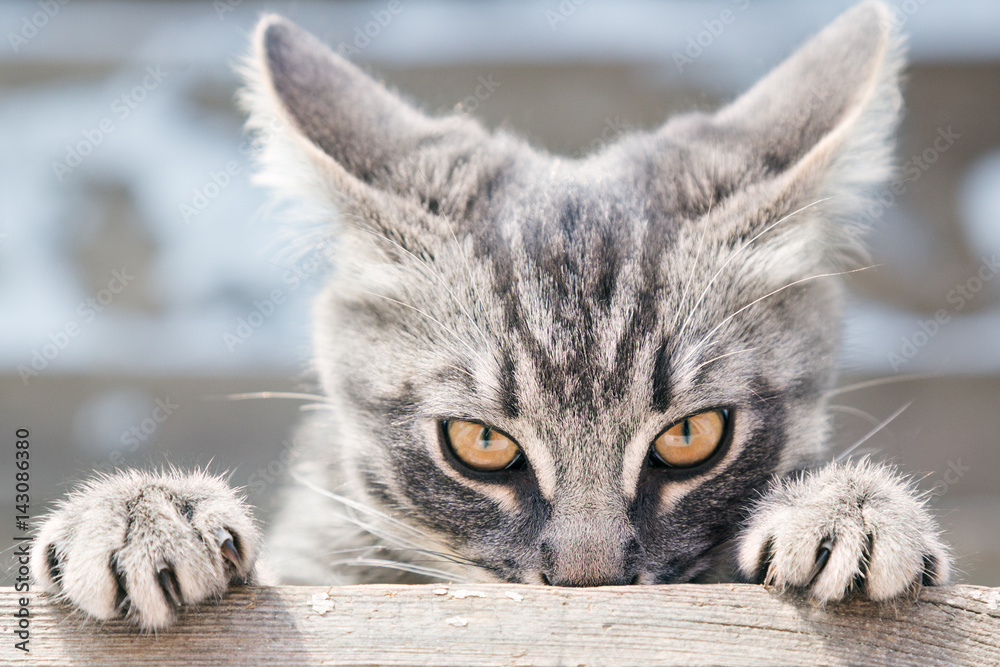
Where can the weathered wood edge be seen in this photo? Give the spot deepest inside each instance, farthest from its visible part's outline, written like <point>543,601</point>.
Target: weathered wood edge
<point>497,624</point>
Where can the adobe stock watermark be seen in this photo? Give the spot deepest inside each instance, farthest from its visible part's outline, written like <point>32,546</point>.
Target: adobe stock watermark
<point>218,180</point>
<point>264,309</point>
<point>696,44</point>
<point>272,472</point>
<point>223,7</point>
<point>122,107</point>
<point>612,130</point>
<point>901,13</point>
<point>411,163</point>
<point>259,136</point>
<point>203,195</point>
<point>562,12</point>
<point>912,170</point>
<point>137,434</point>
<point>31,25</point>
<point>363,35</point>
<point>484,90</point>
<point>87,311</point>
<point>958,298</point>
<point>952,476</point>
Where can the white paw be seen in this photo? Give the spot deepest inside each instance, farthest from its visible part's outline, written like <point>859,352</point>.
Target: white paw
<point>845,527</point>
<point>142,544</point>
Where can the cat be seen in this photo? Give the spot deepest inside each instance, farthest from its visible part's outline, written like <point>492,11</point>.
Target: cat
<point>574,372</point>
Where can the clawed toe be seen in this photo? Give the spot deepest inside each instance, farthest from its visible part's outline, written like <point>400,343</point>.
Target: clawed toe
<point>822,558</point>
<point>228,550</point>
<point>168,582</point>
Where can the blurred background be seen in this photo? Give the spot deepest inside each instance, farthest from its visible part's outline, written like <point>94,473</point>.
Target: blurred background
<point>143,279</point>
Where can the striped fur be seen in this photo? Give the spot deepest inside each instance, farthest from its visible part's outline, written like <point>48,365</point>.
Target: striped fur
<point>580,307</point>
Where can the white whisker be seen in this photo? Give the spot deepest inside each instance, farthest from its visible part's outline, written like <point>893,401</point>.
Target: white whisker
<point>407,543</point>
<point>448,329</point>
<point>355,505</point>
<point>398,541</point>
<point>372,549</point>
<point>315,406</point>
<point>847,409</point>
<point>334,552</point>
<point>736,254</point>
<point>686,289</point>
<point>434,274</point>
<point>880,381</point>
<point>274,394</point>
<point>465,261</point>
<point>478,380</point>
<point>766,296</point>
<point>397,565</point>
<point>723,356</point>
<point>888,420</point>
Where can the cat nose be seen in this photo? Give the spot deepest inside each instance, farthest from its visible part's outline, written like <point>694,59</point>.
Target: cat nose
<point>584,563</point>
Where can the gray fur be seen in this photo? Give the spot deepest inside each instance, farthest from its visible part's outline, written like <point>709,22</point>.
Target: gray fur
<point>582,306</point>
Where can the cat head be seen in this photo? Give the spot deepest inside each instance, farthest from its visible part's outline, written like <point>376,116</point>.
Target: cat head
<point>579,371</point>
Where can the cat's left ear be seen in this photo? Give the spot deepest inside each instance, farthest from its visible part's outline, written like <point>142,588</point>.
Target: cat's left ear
<point>332,136</point>
<point>817,131</point>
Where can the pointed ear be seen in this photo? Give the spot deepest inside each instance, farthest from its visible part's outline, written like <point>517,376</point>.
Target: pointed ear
<point>817,130</point>
<point>840,91</point>
<point>333,135</point>
<point>821,125</point>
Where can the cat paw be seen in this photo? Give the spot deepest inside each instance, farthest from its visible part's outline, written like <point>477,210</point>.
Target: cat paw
<point>142,544</point>
<point>855,526</point>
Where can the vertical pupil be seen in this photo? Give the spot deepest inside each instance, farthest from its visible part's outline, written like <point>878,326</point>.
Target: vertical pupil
<point>485,436</point>
<point>686,431</point>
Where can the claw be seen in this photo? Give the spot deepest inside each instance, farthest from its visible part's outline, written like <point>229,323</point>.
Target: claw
<point>928,576</point>
<point>168,582</point>
<point>765,570</point>
<point>122,601</point>
<point>770,577</point>
<point>228,549</point>
<point>822,557</point>
<point>52,561</point>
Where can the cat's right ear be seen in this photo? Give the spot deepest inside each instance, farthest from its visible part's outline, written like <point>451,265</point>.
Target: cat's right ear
<point>815,136</point>
<point>333,136</point>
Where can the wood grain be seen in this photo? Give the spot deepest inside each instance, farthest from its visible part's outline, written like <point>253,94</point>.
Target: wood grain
<point>499,624</point>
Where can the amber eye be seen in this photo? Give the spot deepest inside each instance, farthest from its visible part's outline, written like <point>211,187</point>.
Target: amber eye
<point>692,440</point>
<point>481,447</point>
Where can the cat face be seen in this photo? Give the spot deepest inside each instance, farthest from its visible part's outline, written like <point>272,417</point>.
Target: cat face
<point>579,372</point>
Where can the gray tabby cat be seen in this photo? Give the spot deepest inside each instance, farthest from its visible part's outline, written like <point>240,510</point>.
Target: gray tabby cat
<point>610,370</point>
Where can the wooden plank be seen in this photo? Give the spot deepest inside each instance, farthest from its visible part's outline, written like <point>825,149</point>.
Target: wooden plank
<point>496,624</point>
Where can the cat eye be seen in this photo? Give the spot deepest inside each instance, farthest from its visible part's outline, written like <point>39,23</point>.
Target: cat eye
<point>480,447</point>
<point>692,440</point>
